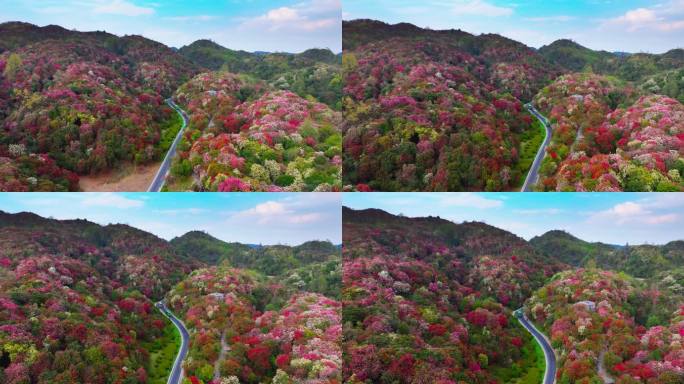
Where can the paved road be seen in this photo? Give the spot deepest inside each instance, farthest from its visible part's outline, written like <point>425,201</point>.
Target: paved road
<point>533,174</point>
<point>160,177</point>
<point>549,355</point>
<point>176,376</point>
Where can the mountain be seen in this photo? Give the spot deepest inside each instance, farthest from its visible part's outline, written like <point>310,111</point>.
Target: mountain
<point>603,135</point>
<point>642,261</point>
<point>427,295</point>
<point>76,300</point>
<point>134,258</point>
<point>208,248</point>
<point>437,110</point>
<point>574,57</point>
<point>272,260</point>
<point>652,73</point>
<point>76,303</point>
<point>443,110</point>
<point>245,135</point>
<point>73,103</point>
<point>314,72</point>
<point>269,329</point>
<point>416,289</point>
<point>78,104</point>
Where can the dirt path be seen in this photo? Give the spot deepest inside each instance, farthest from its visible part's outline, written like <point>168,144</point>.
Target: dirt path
<point>222,355</point>
<point>603,373</point>
<point>129,178</point>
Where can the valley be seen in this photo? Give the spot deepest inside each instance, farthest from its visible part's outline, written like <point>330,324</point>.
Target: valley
<point>442,110</point>
<point>93,105</point>
<point>464,301</point>
<point>81,302</point>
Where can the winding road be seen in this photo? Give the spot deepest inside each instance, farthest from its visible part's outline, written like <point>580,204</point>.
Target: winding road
<point>549,355</point>
<point>160,177</point>
<point>176,376</point>
<point>533,174</point>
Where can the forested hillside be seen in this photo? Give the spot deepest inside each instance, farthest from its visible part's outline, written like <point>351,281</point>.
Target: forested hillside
<point>430,110</point>
<point>424,296</point>
<point>76,301</point>
<point>314,72</point>
<point>92,103</point>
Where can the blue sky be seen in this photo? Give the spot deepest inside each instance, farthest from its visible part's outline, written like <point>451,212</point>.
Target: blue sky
<point>252,25</point>
<point>253,218</point>
<point>613,25</point>
<point>615,218</point>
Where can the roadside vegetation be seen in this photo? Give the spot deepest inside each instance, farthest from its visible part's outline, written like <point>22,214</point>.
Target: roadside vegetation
<point>163,351</point>
<point>530,141</point>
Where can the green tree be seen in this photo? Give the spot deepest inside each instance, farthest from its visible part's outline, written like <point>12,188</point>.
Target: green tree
<point>12,66</point>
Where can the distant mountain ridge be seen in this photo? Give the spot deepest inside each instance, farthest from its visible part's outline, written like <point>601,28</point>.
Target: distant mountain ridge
<point>313,72</point>
<point>643,260</point>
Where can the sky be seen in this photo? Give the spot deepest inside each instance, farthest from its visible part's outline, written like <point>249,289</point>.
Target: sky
<point>613,218</point>
<point>612,25</point>
<point>249,218</point>
<point>251,25</point>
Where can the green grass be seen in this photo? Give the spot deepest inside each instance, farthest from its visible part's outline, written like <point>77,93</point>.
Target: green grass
<point>163,352</point>
<point>169,131</point>
<point>529,369</point>
<point>529,146</point>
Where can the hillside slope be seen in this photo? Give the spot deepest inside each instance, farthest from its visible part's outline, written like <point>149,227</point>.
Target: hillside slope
<point>436,110</point>
<point>312,73</point>
<point>78,103</point>
<point>424,296</point>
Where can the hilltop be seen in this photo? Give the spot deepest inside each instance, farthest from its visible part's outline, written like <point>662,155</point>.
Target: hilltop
<point>313,72</point>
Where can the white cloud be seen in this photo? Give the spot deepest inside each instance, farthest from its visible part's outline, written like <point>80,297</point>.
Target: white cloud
<point>666,17</point>
<point>662,219</point>
<point>480,8</point>
<point>110,200</point>
<point>296,210</point>
<point>269,208</point>
<point>470,200</point>
<point>305,218</point>
<point>308,16</point>
<point>633,213</point>
<point>122,7</point>
<point>282,14</point>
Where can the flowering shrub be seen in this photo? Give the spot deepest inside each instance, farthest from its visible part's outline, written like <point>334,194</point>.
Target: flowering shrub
<point>429,112</point>
<point>418,303</point>
<point>596,317</point>
<point>84,108</point>
<point>597,147</point>
<point>293,340</point>
<point>63,319</point>
<point>242,138</point>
